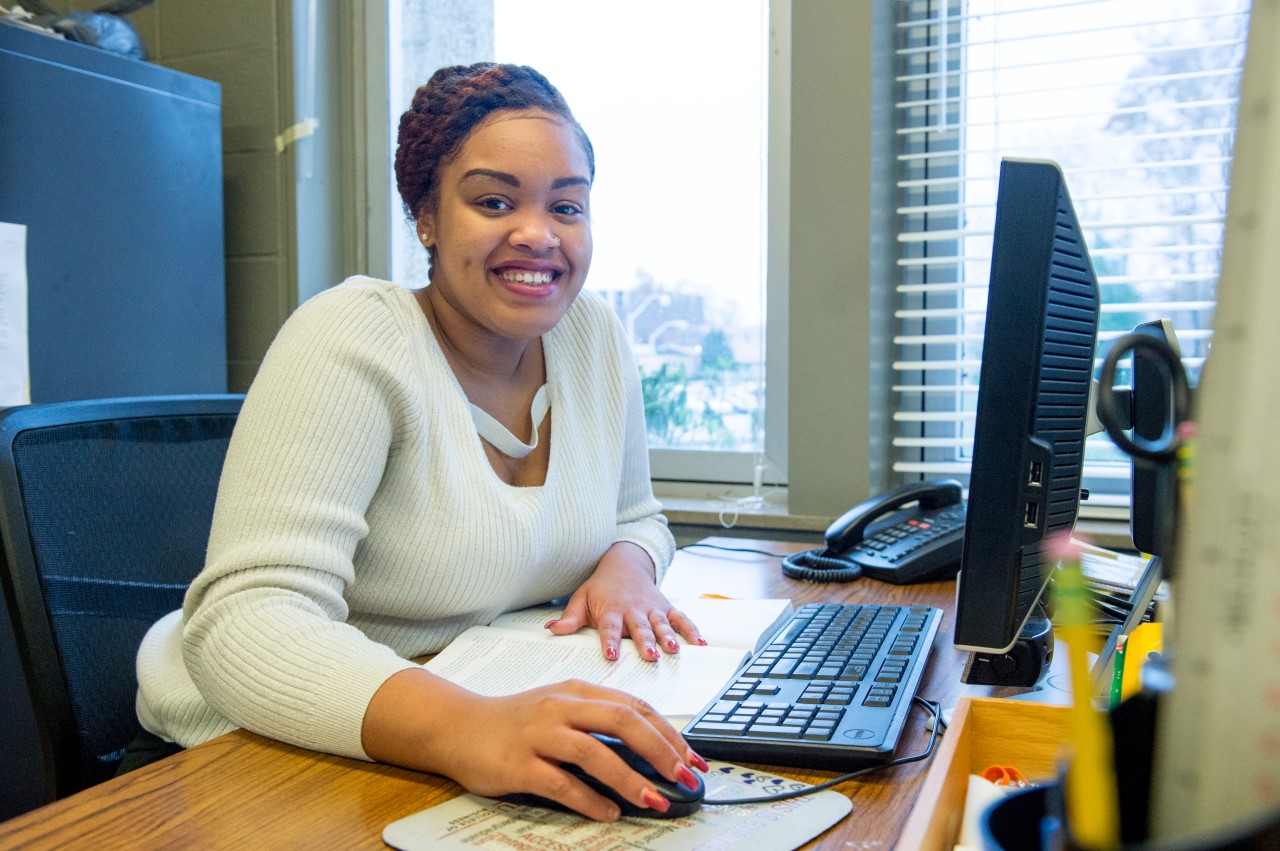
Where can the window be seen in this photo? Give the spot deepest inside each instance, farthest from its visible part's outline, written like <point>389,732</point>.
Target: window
<point>1136,101</point>
<point>679,118</point>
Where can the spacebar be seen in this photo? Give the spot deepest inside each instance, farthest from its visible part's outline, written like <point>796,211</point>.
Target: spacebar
<point>775,731</point>
<point>716,728</point>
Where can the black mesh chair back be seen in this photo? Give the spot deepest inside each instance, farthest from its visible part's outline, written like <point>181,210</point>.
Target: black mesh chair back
<point>105,508</point>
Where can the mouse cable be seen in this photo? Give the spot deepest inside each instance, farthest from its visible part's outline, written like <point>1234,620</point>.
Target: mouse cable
<point>934,708</point>
<point>734,550</point>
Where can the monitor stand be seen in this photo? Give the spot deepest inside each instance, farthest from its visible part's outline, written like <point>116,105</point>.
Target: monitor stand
<point>1031,661</point>
<point>1026,662</point>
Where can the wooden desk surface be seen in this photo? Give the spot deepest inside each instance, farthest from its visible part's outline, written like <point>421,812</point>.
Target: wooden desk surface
<point>241,790</point>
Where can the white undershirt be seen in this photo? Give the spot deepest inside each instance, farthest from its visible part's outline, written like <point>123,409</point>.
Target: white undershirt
<point>504,441</point>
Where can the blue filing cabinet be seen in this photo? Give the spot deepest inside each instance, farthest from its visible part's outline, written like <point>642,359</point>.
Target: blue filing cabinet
<point>115,167</point>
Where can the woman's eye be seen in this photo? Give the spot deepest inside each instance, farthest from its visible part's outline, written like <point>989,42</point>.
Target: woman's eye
<point>566,209</point>
<point>496,204</point>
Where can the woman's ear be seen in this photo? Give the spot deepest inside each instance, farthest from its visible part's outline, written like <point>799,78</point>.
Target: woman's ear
<point>426,231</point>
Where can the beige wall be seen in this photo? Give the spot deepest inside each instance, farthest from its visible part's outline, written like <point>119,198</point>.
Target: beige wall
<point>245,46</point>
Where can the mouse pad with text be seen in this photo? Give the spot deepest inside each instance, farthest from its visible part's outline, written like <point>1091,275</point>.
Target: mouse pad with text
<point>470,821</point>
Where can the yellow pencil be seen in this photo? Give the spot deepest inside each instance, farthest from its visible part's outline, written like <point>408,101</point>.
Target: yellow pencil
<point>1092,811</point>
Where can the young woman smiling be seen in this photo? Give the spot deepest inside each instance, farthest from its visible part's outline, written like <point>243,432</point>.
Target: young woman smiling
<point>412,463</point>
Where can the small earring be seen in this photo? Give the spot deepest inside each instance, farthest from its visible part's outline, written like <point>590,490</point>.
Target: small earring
<point>556,238</point>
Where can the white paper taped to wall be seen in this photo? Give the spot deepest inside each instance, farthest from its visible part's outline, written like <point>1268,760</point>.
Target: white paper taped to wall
<point>15,364</point>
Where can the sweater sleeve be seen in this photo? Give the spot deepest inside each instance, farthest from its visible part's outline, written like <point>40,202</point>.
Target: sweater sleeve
<point>640,518</point>
<point>264,636</point>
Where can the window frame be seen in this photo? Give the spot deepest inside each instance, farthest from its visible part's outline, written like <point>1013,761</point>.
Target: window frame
<point>830,226</point>
<point>665,464</point>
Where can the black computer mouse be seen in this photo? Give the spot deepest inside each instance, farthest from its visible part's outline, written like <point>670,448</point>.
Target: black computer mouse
<point>684,800</point>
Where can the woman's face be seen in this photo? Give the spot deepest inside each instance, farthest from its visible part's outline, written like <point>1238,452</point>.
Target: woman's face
<point>512,226</point>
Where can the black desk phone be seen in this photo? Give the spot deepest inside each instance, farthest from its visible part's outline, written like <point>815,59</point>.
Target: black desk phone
<point>910,534</point>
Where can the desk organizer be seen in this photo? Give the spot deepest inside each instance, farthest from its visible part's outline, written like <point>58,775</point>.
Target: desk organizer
<point>983,732</point>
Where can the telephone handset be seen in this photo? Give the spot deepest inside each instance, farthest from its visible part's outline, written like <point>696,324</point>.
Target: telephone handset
<point>910,534</point>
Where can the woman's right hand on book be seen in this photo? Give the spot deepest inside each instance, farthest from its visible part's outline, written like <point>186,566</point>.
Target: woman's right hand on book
<point>497,746</point>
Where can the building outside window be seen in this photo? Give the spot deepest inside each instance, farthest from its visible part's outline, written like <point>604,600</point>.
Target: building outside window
<point>678,116</point>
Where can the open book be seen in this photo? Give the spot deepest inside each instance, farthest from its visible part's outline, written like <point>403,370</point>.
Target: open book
<point>515,653</point>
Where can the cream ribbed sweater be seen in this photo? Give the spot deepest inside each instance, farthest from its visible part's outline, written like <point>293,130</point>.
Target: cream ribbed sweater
<point>359,523</point>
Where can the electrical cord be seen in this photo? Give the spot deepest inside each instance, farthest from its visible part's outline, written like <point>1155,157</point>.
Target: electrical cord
<point>814,565</point>
<point>934,708</point>
<point>734,550</point>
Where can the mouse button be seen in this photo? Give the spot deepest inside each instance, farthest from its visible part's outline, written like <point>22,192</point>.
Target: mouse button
<point>680,809</point>
<point>678,792</point>
<point>634,761</point>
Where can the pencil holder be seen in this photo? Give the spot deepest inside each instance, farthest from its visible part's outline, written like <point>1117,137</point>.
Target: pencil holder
<point>1034,819</point>
<point>1030,820</point>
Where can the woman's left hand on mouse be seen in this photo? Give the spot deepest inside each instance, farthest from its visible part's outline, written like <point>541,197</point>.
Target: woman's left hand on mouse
<point>620,600</point>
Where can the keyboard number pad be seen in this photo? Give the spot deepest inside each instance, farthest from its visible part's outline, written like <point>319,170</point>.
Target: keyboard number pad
<point>771,721</point>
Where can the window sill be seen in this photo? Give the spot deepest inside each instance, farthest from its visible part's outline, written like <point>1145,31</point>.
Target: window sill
<point>696,510</point>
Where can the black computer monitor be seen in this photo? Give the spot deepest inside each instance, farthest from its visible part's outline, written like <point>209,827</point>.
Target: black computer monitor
<point>1029,435</point>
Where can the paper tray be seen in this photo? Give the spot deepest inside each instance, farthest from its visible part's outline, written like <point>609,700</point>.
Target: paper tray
<point>983,732</point>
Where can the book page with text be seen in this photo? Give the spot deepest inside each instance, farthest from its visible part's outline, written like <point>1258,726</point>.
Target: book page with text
<point>493,661</point>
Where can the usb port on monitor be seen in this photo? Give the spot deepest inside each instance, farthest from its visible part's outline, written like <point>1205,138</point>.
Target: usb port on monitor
<point>1035,473</point>
<point>1031,515</point>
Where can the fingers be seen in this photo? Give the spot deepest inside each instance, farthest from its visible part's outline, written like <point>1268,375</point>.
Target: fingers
<point>645,731</point>
<point>662,630</point>
<point>641,631</point>
<point>609,625</point>
<point>645,735</point>
<point>572,619</point>
<point>653,630</point>
<point>685,627</point>
<point>540,742</point>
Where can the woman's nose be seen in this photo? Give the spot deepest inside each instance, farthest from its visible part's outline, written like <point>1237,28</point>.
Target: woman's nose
<point>535,234</point>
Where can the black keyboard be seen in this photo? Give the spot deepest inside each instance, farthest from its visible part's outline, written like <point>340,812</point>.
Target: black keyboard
<point>831,690</point>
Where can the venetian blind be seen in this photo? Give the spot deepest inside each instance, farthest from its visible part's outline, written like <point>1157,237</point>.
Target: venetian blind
<point>1137,102</point>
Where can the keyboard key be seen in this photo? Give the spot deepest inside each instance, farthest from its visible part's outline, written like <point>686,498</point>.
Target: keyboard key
<point>782,669</point>
<point>710,728</point>
<point>776,731</point>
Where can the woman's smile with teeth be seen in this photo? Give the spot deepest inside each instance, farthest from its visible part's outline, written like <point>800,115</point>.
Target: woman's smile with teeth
<point>527,277</point>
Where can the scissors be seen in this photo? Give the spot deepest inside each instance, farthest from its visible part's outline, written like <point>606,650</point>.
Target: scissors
<point>1004,775</point>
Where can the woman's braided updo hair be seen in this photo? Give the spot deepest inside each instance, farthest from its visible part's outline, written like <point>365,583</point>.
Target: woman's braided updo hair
<point>452,103</point>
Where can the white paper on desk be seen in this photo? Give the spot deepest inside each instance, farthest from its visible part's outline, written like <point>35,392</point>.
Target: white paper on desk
<point>15,366</point>
<point>743,623</point>
<point>493,661</point>
<point>470,821</point>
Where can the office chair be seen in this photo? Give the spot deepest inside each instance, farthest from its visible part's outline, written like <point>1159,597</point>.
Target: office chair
<point>105,508</point>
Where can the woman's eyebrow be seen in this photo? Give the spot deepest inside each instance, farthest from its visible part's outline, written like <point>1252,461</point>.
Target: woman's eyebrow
<point>509,179</point>
<point>512,180</point>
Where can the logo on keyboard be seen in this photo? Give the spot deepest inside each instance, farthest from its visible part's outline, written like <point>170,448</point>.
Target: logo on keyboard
<point>857,733</point>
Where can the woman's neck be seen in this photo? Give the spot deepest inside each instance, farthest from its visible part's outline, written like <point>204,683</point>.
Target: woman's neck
<point>483,362</point>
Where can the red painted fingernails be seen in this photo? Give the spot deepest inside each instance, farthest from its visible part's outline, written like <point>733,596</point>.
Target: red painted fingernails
<point>698,762</point>
<point>611,653</point>
<point>551,623</point>
<point>686,777</point>
<point>673,645</point>
<point>654,801</point>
